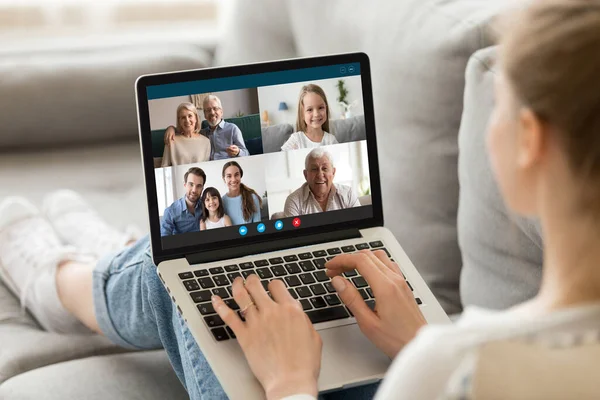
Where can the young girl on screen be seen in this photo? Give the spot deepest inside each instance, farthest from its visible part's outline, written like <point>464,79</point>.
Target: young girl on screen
<point>312,123</point>
<point>213,213</point>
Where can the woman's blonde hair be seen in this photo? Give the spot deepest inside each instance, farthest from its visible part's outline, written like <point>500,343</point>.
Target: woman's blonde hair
<point>550,55</point>
<point>189,107</point>
<point>310,88</point>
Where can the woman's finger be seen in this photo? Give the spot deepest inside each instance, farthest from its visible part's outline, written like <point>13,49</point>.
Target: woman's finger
<point>280,293</point>
<point>242,297</point>
<point>354,301</point>
<point>228,316</point>
<point>383,257</point>
<point>358,261</point>
<point>257,291</point>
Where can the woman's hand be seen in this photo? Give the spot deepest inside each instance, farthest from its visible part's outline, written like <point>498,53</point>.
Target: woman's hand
<point>397,317</point>
<point>169,135</point>
<point>279,342</point>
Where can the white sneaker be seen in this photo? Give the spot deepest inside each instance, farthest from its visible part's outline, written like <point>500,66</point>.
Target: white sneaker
<point>78,224</point>
<point>30,251</point>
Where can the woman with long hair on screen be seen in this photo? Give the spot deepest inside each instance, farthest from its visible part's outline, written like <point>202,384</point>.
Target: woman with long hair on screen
<point>241,203</point>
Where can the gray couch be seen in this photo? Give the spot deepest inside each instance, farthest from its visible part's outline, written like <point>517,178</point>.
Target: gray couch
<point>83,135</point>
<point>345,130</point>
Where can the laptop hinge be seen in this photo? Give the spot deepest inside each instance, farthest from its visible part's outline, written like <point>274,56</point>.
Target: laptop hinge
<point>265,247</point>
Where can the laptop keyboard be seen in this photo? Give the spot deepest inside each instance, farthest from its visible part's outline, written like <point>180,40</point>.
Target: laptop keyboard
<point>303,274</point>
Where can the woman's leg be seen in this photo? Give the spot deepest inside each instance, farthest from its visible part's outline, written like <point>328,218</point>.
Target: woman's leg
<point>74,287</point>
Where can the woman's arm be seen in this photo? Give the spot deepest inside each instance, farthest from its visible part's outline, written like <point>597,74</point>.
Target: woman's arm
<point>169,134</point>
<point>227,220</point>
<point>202,225</point>
<point>256,215</point>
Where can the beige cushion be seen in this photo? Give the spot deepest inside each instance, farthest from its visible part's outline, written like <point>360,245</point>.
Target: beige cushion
<point>418,50</point>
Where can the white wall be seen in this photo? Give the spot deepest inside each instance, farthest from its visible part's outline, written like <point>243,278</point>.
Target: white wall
<point>269,98</point>
<point>286,171</point>
<point>162,111</point>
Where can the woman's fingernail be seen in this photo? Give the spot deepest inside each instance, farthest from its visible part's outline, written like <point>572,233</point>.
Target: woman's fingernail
<point>339,284</point>
<point>214,299</point>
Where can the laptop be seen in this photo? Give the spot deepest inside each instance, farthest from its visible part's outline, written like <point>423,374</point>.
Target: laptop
<point>284,232</point>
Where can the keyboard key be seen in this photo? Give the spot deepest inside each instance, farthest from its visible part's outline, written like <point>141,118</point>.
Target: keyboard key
<point>377,243</point>
<point>231,268</point>
<point>350,274</point>
<point>327,314</point>
<point>247,273</point>
<point>319,253</point>
<point>231,304</point>
<point>360,282</point>
<point>276,260</point>
<point>362,246</point>
<point>318,302</point>
<point>293,268</point>
<point>278,270</point>
<point>290,258</point>
<point>385,250</point>
<point>214,320</point>
<point>292,280</point>
<point>246,265</point>
<point>186,275</point>
<point>418,300</point>
<point>370,291</point>
<point>332,300</point>
<point>221,280</point>
<point>201,272</point>
<point>305,256</point>
<point>307,278</point>
<point>329,287</point>
<point>410,286</point>
<point>261,263</point>
<point>230,290</point>
<point>305,305</point>
<point>307,266</point>
<point>219,334</point>
<point>348,249</point>
<point>230,331</point>
<point>329,258</point>
<point>201,296</point>
<point>320,263</point>
<point>221,292</point>
<point>233,275</point>
<point>321,276</point>
<point>191,285</point>
<point>334,251</point>
<point>206,308</point>
<point>318,289</point>
<point>364,294</point>
<point>265,285</point>
<point>264,273</point>
<point>293,293</point>
<point>303,292</point>
<point>371,304</point>
<point>216,270</point>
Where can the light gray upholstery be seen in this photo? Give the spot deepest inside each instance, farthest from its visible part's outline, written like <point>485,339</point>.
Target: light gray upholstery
<point>494,243</point>
<point>143,375</point>
<point>273,137</point>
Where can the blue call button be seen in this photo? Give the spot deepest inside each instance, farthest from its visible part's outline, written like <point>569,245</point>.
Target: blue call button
<point>278,225</point>
<point>261,227</point>
<point>243,230</point>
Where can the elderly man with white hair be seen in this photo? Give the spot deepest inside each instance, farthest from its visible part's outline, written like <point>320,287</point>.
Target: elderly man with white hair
<point>319,193</point>
<point>226,139</point>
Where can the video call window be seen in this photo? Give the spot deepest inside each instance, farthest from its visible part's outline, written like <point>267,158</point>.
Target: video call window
<point>252,155</point>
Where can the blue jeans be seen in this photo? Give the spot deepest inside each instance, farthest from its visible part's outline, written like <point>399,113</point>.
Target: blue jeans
<point>135,311</point>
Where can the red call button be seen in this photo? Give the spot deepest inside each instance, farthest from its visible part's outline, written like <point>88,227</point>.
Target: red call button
<point>296,222</point>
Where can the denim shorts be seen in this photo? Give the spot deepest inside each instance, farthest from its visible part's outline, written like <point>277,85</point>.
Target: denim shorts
<point>135,311</point>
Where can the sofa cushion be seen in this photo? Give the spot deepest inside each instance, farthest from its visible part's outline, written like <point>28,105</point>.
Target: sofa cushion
<point>273,137</point>
<point>143,375</point>
<point>419,51</point>
<point>67,97</point>
<point>349,130</point>
<point>26,347</point>
<point>502,252</point>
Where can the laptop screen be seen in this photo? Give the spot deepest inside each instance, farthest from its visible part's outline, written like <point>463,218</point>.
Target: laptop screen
<point>238,157</point>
